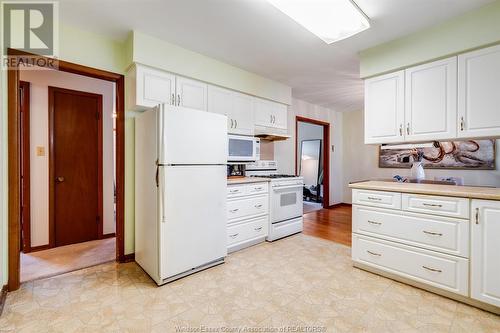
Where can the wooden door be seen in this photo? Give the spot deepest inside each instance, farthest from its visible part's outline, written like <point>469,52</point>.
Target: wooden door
<point>75,130</point>
<point>478,93</point>
<point>384,108</point>
<point>485,265</point>
<point>24,94</point>
<point>431,101</point>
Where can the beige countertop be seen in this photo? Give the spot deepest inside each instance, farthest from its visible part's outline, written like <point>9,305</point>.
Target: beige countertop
<point>473,192</point>
<point>247,180</point>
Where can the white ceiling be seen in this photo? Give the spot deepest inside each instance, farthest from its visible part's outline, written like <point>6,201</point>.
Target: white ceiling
<point>254,35</point>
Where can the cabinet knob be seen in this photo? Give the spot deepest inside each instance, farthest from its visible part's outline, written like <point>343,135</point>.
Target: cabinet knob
<point>461,123</point>
<point>408,129</point>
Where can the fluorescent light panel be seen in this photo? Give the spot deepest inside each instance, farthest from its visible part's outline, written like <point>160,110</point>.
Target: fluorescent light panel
<point>330,20</point>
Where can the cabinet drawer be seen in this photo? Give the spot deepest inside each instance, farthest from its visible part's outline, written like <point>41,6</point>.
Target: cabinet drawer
<point>247,230</point>
<point>257,188</point>
<point>445,206</point>
<point>444,234</point>
<point>377,198</point>
<point>436,269</point>
<point>235,191</point>
<point>244,207</point>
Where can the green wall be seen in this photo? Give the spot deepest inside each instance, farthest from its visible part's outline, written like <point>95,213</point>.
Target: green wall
<point>471,30</point>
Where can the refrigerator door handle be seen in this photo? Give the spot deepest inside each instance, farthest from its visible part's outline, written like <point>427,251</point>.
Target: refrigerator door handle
<point>157,175</point>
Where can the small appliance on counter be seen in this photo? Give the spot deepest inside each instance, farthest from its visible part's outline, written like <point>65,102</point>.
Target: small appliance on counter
<point>235,170</point>
<point>286,206</point>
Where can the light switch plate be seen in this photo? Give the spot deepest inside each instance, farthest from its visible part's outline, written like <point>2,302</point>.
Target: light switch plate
<point>40,151</point>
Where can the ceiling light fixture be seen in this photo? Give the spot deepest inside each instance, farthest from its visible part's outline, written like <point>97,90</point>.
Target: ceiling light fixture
<point>330,20</point>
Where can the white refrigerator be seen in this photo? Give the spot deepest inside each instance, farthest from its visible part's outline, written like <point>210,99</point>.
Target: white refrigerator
<point>180,191</point>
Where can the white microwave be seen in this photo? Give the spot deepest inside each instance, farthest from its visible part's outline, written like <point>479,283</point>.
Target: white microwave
<point>243,148</point>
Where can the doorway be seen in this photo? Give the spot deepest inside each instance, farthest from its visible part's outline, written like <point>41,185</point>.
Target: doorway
<point>312,161</point>
<point>78,158</point>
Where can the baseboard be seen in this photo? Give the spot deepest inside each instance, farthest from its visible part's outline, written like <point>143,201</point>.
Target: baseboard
<point>40,248</point>
<point>111,235</point>
<point>341,204</point>
<point>128,258</point>
<point>3,297</point>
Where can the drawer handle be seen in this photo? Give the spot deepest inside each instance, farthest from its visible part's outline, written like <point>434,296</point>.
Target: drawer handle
<point>432,269</point>
<point>234,191</point>
<point>234,235</point>
<point>373,222</point>
<point>477,215</point>
<point>258,206</point>
<point>257,188</point>
<point>258,229</point>
<point>432,205</point>
<point>374,254</point>
<point>234,210</point>
<point>432,233</point>
<point>376,199</point>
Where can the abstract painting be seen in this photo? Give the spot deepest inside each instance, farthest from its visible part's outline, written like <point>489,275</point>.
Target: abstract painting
<point>465,154</point>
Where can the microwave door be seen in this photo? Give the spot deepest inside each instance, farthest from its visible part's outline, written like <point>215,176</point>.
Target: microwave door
<point>241,149</point>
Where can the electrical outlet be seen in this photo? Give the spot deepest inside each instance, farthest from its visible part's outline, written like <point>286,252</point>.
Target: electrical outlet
<point>40,151</point>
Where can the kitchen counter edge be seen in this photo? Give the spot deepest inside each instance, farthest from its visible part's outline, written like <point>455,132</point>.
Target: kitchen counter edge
<point>247,180</point>
<point>471,192</point>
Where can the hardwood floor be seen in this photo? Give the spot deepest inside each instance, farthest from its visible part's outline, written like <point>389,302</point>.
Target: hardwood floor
<point>332,224</point>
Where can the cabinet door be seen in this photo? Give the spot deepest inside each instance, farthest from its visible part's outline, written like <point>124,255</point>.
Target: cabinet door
<point>431,101</point>
<point>478,93</point>
<point>279,115</point>
<point>384,108</point>
<point>242,114</point>
<point>221,101</point>
<point>191,93</point>
<point>154,87</point>
<point>263,113</point>
<point>485,247</point>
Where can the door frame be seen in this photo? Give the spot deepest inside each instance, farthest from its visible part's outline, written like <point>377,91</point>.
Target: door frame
<point>14,155</point>
<point>24,127</point>
<point>326,154</point>
<point>52,175</point>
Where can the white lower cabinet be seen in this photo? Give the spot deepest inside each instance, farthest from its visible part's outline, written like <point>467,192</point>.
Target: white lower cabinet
<point>449,244</point>
<point>247,214</point>
<point>436,269</point>
<point>485,251</point>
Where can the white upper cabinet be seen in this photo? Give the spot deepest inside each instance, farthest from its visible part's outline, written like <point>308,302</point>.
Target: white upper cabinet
<point>191,93</point>
<point>270,114</point>
<point>384,108</point>
<point>485,247</point>
<point>431,101</point>
<point>243,114</point>
<point>148,87</point>
<point>479,93</point>
<point>236,106</point>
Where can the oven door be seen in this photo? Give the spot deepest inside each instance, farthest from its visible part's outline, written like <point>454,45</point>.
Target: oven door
<point>241,148</point>
<point>286,202</point>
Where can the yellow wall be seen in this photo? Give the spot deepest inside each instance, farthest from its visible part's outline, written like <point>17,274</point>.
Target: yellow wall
<point>471,30</point>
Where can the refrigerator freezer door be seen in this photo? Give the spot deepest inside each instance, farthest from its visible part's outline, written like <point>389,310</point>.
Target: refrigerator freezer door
<point>193,222</point>
<point>191,136</point>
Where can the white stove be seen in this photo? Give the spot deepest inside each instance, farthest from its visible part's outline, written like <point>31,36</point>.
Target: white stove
<point>285,199</point>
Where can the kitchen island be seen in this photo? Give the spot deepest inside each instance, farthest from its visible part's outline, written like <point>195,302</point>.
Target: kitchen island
<point>442,238</point>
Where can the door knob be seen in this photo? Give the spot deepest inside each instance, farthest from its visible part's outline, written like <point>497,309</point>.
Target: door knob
<point>59,179</point>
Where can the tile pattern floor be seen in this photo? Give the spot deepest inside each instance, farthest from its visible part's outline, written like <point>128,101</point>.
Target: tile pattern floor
<point>300,280</point>
<point>62,259</point>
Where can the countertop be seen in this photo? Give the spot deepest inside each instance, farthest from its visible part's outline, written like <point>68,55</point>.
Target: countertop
<point>472,192</point>
<point>247,180</point>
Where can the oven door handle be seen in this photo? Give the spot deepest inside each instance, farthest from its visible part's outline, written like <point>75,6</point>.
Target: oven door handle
<point>279,188</point>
